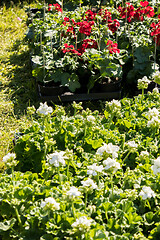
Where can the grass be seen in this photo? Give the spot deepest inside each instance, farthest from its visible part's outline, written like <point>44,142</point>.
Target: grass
<point>17,87</point>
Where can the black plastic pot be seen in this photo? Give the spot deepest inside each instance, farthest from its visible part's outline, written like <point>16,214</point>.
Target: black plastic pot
<point>109,87</point>
<point>51,90</point>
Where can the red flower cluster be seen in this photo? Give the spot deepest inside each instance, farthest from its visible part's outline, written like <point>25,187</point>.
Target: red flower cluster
<point>85,27</point>
<point>147,10</point>
<point>71,24</point>
<point>138,14</point>
<point>127,12</point>
<point>88,43</point>
<point>55,6</point>
<point>112,47</point>
<point>89,15</point>
<point>156,32</point>
<point>105,14</point>
<point>71,49</point>
<point>107,17</point>
<point>113,25</point>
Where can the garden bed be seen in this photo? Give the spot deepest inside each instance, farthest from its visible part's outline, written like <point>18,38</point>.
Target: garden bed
<point>85,174</point>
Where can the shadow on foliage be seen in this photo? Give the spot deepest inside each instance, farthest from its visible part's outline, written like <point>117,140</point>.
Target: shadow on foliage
<point>22,84</point>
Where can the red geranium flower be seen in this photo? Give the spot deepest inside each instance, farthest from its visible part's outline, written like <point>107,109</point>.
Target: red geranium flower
<point>85,27</point>
<point>112,47</point>
<point>90,15</point>
<point>144,4</point>
<point>57,7</point>
<point>88,43</point>
<point>113,25</point>
<point>156,32</point>
<point>49,7</point>
<point>127,12</point>
<point>71,49</point>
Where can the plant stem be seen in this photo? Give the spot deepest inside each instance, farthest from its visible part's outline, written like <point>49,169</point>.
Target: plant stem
<point>86,197</point>
<point>68,171</point>
<point>59,177</point>
<point>126,156</point>
<point>15,208</point>
<point>111,178</point>
<point>73,210</point>
<point>142,95</point>
<point>18,217</point>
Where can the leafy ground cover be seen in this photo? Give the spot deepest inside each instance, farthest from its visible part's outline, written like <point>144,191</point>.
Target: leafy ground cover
<point>85,175</point>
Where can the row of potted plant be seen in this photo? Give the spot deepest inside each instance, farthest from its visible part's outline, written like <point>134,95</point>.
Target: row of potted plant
<point>80,48</point>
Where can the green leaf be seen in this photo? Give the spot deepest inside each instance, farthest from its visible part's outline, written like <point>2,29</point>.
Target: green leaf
<point>64,78</point>
<point>99,234</point>
<point>127,123</point>
<point>95,143</point>
<point>73,82</point>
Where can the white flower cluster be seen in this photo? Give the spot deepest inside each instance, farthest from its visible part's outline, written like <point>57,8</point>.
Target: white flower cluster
<point>114,105</point>
<point>9,160</point>
<point>154,123</point>
<point>44,109</point>
<point>156,77</point>
<point>108,148</point>
<point>132,145</point>
<point>156,166</point>
<point>143,155</point>
<point>73,192</point>
<point>154,112</point>
<point>155,90</point>
<point>111,164</point>
<point>143,83</point>
<point>56,158</point>
<point>50,203</point>
<point>91,118</point>
<point>82,224</point>
<point>94,169</point>
<point>89,183</point>
<point>146,192</point>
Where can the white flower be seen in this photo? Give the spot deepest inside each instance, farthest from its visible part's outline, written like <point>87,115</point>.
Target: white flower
<point>155,90</point>
<point>56,158</point>
<point>44,109</point>
<point>152,113</point>
<point>156,77</point>
<point>89,183</point>
<point>9,157</point>
<point>108,148</point>
<point>50,203</point>
<point>143,83</point>
<point>73,192</point>
<point>9,160</point>
<point>114,105</point>
<point>154,122</point>
<point>156,166</point>
<point>82,224</point>
<point>146,192</point>
<point>93,169</point>
<point>90,118</point>
<point>144,154</point>
<point>111,163</point>
<point>132,144</point>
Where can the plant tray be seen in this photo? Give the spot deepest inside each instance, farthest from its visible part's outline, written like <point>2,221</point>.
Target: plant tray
<point>69,97</point>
